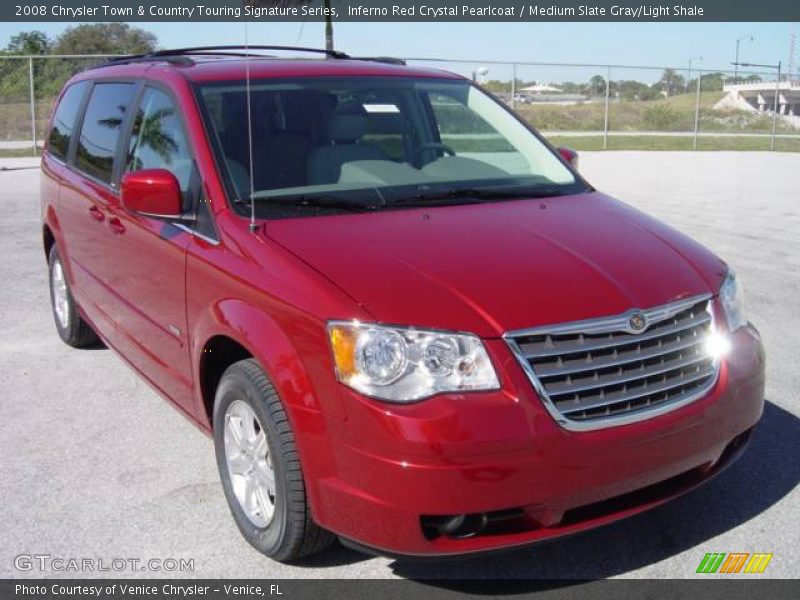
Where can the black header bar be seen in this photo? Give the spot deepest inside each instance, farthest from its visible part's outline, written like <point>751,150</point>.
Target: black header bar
<point>733,588</point>
<point>400,10</point>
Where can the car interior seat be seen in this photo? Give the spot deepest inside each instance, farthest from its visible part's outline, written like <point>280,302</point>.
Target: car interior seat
<point>346,127</point>
<point>297,122</point>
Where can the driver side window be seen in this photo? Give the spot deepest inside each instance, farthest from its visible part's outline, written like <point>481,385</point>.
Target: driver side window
<point>158,140</point>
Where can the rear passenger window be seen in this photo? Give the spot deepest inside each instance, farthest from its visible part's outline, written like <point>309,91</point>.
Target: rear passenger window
<point>64,120</point>
<point>102,125</point>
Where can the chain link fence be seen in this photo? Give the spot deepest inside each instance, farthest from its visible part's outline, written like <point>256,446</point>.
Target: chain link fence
<point>28,86</point>
<point>585,106</point>
<point>596,106</point>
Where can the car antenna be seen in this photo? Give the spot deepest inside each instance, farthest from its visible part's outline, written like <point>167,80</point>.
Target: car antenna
<point>253,226</point>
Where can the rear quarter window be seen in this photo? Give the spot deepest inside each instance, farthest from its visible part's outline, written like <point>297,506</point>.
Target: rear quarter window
<point>64,120</point>
<point>102,125</point>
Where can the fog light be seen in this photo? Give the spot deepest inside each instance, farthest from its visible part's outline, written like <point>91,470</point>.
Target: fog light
<point>717,345</point>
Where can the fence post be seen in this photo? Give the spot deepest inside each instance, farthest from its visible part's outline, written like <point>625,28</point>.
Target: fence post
<point>697,111</point>
<point>33,104</point>
<point>775,109</point>
<point>513,85</point>
<point>605,119</point>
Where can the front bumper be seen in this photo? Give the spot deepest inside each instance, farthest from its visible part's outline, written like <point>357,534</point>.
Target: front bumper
<point>399,468</point>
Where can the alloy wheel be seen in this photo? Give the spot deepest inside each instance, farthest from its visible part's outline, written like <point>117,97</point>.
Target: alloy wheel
<point>60,294</point>
<point>249,463</point>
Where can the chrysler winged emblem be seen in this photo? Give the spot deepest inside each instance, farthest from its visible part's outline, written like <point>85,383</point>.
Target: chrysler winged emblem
<point>637,322</point>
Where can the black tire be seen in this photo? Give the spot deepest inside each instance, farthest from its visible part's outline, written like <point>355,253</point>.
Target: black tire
<point>76,332</point>
<point>291,534</point>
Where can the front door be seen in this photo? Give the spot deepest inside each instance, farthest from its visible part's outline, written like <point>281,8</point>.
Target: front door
<point>151,254</point>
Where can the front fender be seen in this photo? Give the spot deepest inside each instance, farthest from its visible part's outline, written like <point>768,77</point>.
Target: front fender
<point>288,366</point>
<point>291,366</point>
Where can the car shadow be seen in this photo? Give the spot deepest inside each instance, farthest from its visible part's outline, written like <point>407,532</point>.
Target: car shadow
<point>765,474</point>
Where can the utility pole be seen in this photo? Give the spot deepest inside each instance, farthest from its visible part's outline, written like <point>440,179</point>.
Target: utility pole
<point>329,26</point>
<point>736,62</point>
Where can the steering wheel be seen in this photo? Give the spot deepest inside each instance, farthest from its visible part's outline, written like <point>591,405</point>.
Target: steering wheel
<point>432,146</point>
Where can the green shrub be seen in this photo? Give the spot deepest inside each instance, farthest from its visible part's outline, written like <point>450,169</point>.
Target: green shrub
<point>661,117</point>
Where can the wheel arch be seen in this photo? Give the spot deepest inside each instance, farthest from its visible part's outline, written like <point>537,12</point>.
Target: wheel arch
<point>234,330</point>
<point>218,353</point>
<point>48,240</point>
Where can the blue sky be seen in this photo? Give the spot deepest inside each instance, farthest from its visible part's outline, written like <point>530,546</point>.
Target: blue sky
<point>642,43</point>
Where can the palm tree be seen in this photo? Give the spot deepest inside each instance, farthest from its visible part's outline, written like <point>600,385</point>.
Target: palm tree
<point>596,83</point>
<point>288,3</point>
<point>671,82</point>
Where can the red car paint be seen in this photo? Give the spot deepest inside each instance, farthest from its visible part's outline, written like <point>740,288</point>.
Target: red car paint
<point>374,469</point>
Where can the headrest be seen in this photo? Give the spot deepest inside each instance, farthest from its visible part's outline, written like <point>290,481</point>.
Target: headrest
<point>306,112</point>
<point>348,125</point>
<point>234,112</point>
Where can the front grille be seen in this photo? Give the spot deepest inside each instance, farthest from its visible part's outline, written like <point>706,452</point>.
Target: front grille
<point>600,372</point>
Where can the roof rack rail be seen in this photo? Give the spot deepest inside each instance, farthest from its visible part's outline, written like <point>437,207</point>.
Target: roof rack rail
<point>247,49</point>
<point>182,56</point>
<point>177,59</point>
<point>389,60</point>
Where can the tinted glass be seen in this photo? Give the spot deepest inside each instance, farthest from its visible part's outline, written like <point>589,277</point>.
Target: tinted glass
<point>64,120</point>
<point>454,119</point>
<point>158,140</point>
<point>102,125</point>
<point>331,143</point>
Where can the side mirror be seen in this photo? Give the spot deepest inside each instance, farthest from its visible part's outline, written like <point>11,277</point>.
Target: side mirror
<point>570,156</point>
<point>153,193</point>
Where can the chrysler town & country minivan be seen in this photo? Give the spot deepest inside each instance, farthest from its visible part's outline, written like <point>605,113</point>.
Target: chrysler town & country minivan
<point>405,318</point>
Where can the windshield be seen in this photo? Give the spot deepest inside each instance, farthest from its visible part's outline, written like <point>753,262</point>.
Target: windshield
<point>371,143</point>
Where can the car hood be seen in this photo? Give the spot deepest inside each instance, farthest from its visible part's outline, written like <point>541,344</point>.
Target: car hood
<point>500,266</point>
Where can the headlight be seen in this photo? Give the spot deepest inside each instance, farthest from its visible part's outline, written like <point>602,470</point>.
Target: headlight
<point>404,365</point>
<point>731,295</point>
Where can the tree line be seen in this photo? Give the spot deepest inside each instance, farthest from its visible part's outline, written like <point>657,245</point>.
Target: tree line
<point>49,75</point>
<point>671,83</point>
<point>87,38</point>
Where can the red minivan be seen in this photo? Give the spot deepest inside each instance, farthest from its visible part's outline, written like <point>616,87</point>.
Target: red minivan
<point>404,317</point>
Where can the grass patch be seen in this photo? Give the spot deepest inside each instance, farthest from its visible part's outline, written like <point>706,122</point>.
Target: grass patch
<point>18,153</point>
<point>15,118</point>
<point>590,143</point>
<point>668,115</point>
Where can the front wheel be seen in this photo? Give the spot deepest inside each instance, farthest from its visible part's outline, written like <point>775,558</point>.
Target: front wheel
<point>260,468</point>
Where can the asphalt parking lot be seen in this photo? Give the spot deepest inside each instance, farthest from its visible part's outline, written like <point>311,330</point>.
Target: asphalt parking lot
<point>95,465</point>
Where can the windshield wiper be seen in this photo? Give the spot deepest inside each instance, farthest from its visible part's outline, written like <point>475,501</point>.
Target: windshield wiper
<point>437,197</point>
<point>470,195</point>
<point>314,201</point>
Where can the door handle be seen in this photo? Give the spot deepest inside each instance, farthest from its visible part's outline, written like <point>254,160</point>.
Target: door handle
<point>116,225</point>
<point>97,214</point>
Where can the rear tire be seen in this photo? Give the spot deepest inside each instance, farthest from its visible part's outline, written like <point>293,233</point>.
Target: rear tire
<point>260,468</point>
<point>71,327</point>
